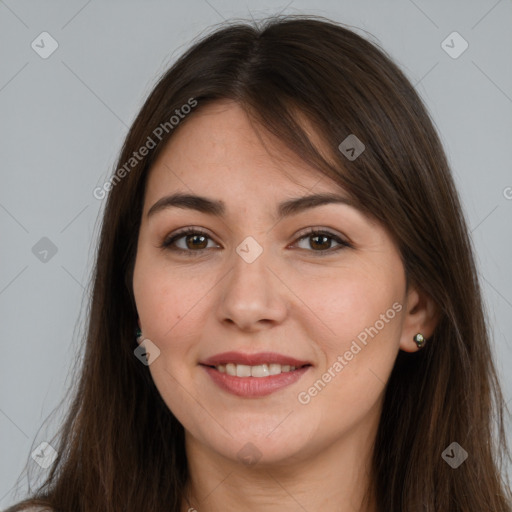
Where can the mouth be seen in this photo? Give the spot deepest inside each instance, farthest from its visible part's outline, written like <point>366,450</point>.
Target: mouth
<point>258,371</point>
<point>254,375</point>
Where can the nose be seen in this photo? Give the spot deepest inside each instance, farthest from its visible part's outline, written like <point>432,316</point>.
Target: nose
<point>253,295</point>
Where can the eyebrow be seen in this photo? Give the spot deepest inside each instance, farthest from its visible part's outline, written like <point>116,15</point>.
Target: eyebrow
<point>217,208</point>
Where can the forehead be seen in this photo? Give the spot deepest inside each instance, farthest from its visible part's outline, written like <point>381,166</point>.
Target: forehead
<point>221,151</point>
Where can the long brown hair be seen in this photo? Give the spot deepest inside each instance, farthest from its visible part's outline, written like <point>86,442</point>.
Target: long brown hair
<point>121,449</point>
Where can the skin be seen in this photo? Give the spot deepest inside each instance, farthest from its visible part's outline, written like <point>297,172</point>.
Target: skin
<point>313,455</point>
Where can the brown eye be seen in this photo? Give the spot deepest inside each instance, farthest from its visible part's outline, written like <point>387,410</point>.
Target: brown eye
<point>194,241</point>
<point>320,242</point>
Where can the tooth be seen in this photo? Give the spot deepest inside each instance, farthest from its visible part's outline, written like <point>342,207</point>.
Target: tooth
<point>274,369</point>
<point>260,370</point>
<point>243,370</point>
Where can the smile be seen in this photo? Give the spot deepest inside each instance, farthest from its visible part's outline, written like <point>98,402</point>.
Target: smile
<point>254,375</point>
<point>261,370</point>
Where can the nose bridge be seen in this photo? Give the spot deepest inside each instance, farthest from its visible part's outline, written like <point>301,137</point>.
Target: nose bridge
<point>251,292</point>
<point>250,270</point>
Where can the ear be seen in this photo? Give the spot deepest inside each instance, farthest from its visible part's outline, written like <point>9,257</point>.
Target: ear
<point>421,316</point>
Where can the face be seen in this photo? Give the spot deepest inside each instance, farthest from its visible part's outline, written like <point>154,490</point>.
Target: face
<point>254,293</point>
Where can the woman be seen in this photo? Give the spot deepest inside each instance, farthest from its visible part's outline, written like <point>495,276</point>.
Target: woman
<point>286,313</point>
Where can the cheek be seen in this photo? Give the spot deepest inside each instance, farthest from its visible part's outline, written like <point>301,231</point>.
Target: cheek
<point>351,303</point>
<point>170,302</point>
<point>358,314</point>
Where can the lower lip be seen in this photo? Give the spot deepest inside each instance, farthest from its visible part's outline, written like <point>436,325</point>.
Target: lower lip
<point>254,386</point>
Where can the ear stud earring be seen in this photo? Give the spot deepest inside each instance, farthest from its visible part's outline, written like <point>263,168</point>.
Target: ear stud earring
<point>419,339</point>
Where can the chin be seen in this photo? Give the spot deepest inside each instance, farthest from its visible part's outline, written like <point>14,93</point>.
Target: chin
<point>251,447</point>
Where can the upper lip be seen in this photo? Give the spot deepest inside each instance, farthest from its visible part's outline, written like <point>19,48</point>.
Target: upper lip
<point>253,359</point>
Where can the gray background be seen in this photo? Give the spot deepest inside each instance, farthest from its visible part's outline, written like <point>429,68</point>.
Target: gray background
<point>63,120</point>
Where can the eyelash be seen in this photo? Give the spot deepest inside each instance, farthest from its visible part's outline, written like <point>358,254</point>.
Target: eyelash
<point>167,243</point>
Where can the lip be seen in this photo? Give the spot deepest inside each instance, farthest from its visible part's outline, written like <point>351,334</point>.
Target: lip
<point>253,359</point>
<point>253,387</point>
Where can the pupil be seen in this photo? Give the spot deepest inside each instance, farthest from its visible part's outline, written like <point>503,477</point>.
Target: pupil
<point>195,237</point>
<point>316,237</point>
